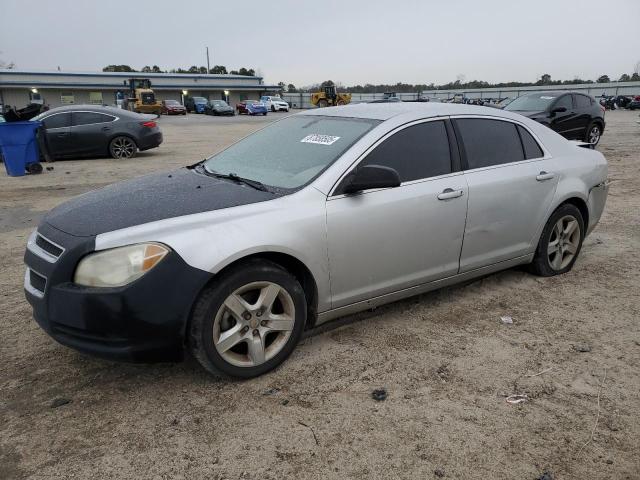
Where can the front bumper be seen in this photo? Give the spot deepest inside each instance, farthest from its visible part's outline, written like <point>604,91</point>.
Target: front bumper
<point>144,321</point>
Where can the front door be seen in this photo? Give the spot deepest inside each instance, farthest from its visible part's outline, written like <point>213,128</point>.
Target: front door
<point>565,123</point>
<point>58,133</point>
<point>381,241</point>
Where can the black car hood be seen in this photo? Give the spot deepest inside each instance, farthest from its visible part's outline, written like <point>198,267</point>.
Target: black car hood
<point>149,199</point>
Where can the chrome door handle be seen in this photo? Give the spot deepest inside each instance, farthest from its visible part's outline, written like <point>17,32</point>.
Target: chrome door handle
<point>542,176</point>
<point>448,193</point>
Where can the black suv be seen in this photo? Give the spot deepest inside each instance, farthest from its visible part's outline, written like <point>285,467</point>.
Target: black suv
<point>573,115</point>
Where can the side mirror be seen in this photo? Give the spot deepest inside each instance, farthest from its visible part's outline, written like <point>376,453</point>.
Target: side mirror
<point>559,110</point>
<point>372,176</point>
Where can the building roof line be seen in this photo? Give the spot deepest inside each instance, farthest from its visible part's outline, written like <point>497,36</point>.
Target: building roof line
<point>123,87</point>
<point>124,74</point>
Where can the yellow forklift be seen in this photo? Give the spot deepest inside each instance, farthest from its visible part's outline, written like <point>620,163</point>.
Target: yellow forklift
<point>329,96</point>
<point>142,98</point>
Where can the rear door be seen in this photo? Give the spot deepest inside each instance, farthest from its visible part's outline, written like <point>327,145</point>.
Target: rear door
<point>384,240</point>
<point>511,187</point>
<point>91,132</point>
<point>58,132</point>
<point>583,114</point>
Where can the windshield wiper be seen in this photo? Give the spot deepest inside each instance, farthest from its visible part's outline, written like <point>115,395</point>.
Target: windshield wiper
<point>236,178</point>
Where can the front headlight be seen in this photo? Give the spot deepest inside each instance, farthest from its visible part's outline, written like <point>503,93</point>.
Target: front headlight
<point>118,266</point>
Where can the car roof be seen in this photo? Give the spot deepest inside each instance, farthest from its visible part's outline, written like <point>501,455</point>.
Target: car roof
<point>409,111</point>
<point>91,108</point>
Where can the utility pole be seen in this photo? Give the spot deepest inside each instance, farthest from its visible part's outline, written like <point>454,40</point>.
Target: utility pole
<point>208,66</point>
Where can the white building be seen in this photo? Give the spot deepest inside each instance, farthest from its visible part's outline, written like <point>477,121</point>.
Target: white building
<point>63,88</point>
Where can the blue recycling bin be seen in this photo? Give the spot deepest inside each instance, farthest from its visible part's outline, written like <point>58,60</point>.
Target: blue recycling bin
<point>19,146</point>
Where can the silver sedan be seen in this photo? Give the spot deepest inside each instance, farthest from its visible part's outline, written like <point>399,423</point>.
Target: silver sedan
<point>319,215</point>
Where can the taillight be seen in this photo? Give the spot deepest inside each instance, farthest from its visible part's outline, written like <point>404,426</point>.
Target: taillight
<point>149,124</point>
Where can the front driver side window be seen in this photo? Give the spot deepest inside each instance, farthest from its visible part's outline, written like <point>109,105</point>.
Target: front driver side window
<point>416,152</point>
<point>564,101</point>
<point>57,120</point>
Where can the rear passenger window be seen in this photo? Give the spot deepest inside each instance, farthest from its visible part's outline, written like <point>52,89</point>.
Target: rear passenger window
<point>489,142</point>
<point>582,101</point>
<point>419,151</point>
<point>87,118</point>
<point>531,147</point>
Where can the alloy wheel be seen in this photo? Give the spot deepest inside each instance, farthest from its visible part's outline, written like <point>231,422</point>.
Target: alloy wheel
<point>594,134</point>
<point>122,147</point>
<point>253,324</point>
<point>563,242</point>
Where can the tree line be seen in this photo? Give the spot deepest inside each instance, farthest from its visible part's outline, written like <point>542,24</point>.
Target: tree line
<point>217,69</point>
<point>459,84</point>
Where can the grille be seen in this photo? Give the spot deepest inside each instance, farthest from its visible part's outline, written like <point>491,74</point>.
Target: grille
<point>37,281</point>
<point>48,246</point>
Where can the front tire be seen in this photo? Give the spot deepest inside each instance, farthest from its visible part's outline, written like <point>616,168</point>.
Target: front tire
<point>248,321</point>
<point>122,147</point>
<point>560,242</point>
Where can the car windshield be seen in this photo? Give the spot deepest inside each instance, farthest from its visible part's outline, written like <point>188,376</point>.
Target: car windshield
<point>537,103</point>
<point>199,100</point>
<point>291,152</point>
<point>172,102</point>
<point>219,103</point>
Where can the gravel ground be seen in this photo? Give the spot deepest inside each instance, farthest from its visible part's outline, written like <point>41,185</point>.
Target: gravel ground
<point>445,359</point>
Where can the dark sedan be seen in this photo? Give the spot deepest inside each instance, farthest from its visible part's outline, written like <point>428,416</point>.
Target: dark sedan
<point>575,116</point>
<point>218,107</point>
<point>89,130</point>
<point>252,107</point>
<point>173,107</point>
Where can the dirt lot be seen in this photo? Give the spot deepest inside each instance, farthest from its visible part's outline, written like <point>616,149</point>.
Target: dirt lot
<point>445,358</point>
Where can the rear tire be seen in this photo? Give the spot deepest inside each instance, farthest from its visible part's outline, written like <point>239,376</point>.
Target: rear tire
<point>323,103</point>
<point>560,242</point>
<point>593,133</point>
<point>122,147</point>
<point>248,321</point>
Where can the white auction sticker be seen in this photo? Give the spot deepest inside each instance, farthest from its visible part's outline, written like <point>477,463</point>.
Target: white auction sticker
<point>320,139</point>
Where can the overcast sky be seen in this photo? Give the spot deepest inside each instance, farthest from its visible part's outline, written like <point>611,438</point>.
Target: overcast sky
<point>348,41</point>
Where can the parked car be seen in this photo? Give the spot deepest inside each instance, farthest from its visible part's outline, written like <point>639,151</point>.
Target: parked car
<point>173,107</point>
<point>195,104</point>
<point>386,100</point>
<point>274,103</point>
<point>89,130</point>
<point>324,213</point>
<point>573,115</point>
<point>251,107</point>
<point>634,103</point>
<point>218,107</point>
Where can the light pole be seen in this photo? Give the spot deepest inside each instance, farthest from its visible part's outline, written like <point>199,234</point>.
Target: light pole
<point>208,66</point>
